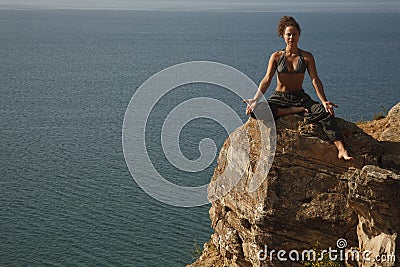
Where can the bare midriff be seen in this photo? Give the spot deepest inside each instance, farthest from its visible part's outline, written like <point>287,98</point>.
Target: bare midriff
<point>289,82</point>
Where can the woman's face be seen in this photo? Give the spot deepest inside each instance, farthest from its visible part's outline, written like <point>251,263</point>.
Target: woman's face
<point>291,35</point>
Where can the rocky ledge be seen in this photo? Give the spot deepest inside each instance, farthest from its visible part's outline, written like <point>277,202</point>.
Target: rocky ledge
<point>308,196</point>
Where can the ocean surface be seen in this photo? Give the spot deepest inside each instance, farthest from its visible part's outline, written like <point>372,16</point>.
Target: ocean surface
<point>67,197</point>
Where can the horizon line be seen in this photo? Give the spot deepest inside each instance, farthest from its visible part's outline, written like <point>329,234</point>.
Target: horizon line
<point>319,10</point>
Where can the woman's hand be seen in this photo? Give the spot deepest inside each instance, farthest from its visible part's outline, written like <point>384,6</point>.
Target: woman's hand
<point>251,104</point>
<point>328,105</point>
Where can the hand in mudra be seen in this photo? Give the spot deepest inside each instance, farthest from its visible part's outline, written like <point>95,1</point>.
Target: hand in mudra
<point>251,104</point>
<point>328,105</point>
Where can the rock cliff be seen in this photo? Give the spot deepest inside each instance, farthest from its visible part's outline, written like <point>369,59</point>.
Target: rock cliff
<point>308,197</point>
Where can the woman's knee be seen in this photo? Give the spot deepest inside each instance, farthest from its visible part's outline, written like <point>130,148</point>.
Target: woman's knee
<point>319,109</point>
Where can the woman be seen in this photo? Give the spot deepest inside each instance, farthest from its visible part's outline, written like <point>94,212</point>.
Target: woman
<point>289,96</point>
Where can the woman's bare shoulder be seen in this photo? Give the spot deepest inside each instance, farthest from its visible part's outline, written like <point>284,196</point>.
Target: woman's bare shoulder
<point>277,54</point>
<point>306,54</point>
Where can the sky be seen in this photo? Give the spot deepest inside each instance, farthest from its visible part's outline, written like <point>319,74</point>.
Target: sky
<point>217,5</point>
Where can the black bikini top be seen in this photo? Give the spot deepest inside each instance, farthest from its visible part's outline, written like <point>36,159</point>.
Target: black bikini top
<point>282,68</point>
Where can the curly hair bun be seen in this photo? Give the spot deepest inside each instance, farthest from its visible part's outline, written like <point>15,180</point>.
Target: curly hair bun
<point>286,21</point>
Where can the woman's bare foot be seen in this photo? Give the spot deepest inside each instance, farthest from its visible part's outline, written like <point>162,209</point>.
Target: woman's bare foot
<point>299,109</point>
<point>291,110</point>
<point>344,155</point>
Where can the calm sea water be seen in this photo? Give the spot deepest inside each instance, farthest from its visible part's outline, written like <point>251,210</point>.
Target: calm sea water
<point>66,78</point>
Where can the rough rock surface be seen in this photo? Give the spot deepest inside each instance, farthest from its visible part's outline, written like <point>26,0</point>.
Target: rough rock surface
<point>387,132</point>
<point>385,129</point>
<point>308,195</point>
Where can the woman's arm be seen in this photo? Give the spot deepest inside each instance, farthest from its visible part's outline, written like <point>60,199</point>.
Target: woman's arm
<point>264,84</point>
<point>319,88</point>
